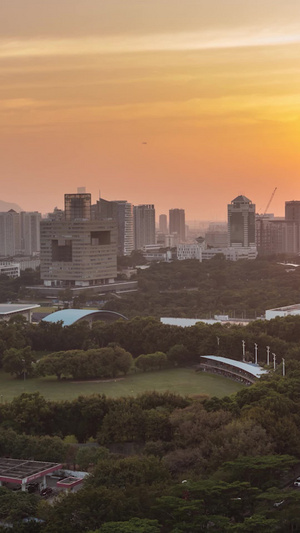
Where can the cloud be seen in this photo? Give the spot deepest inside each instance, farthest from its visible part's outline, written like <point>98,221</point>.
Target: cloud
<point>122,44</point>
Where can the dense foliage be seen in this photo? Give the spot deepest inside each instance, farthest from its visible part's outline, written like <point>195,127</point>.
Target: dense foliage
<point>193,289</point>
<point>158,463</point>
<point>141,336</point>
<point>12,289</point>
<point>222,464</point>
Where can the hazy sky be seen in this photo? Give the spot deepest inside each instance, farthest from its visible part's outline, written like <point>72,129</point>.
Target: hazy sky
<point>212,87</point>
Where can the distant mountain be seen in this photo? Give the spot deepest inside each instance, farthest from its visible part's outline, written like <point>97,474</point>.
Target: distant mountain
<point>6,206</point>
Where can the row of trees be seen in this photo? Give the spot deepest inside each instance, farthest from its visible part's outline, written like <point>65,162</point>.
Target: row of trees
<point>148,335</point>
<point>104,349</point>
<point>106,362</point>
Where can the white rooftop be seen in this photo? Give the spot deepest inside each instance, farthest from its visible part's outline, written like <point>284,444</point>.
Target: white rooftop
<point>8,309</point>
<point>289,308</point>
<point>252,368</point>
<point>186,322</point>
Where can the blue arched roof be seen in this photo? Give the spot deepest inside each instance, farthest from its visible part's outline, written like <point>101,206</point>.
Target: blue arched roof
<point>70,316</point>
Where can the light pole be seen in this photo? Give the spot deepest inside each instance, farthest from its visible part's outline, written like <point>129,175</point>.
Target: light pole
<point>274,361</point>
<point>255,352</point>
<point>243,345</point>
<point>268,355</point>
<point>24,369</point>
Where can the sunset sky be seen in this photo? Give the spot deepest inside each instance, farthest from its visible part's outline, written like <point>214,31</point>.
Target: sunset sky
<point>212,87</point>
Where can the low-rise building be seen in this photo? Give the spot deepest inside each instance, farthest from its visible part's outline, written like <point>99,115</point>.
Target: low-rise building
<point>288,310</point>
<point>12,270</point>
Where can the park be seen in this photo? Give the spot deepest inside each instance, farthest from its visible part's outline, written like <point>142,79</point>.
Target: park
<point>183,381</point>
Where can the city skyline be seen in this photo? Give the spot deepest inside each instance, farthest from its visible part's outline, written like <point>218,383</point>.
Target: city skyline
<point>155,102</point>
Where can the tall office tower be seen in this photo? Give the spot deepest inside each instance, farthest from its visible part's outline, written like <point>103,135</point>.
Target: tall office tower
<point>122,212</point>
<point>10,235</point>
<point>30,232</point>
<point>177,223</point>
<point>144,225</point>
<point>78,251</point>
<point>292,211</point>
<point>163,224</point>
<point>77,206</point>
<point>241,222</point>
<point>277,235</point>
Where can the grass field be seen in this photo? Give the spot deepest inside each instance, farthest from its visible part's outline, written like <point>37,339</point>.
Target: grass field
<point>184,381</point>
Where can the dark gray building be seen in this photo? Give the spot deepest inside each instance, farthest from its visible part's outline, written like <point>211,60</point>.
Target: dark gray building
<point>177,223</point>
<point>144,225</point>
<point>241,222</point>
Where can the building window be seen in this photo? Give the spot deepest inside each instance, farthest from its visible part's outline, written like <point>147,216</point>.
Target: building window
<point>100,238</point>
<point>61,252</point>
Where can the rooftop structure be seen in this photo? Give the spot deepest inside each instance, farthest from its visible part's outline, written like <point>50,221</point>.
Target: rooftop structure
<point>9,310</point>
<point>69,482</point>
<point>189,322</point>
<point>255,370</point>
<point>283,311</point>
<point>21,471</point>
<point>71,316</point>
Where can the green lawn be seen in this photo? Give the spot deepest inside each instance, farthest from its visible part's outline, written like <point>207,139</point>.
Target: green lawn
<point>182,381</point>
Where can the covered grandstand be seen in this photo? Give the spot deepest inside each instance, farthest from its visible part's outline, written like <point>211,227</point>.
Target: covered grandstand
<point>246,373</point>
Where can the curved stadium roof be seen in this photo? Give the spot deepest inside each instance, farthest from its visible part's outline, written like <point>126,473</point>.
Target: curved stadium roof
<point>251,368</point>
<point>71,316</point>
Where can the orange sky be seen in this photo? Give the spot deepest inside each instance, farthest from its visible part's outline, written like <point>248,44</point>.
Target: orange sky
<point>212,86</point>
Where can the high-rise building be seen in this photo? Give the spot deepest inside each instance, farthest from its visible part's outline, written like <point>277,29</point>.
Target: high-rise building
<point>10,233</point>
<point>279,235</point>
<point>30,232</point>
<point>177,223</point>
<point>144,225</point>
<point>163,224</point>
<point>19,233</point>
<point>77,206</point>
<point>76,250</point>
<point>241,222</point>
<point>121,212</point>
<point>292,211</point>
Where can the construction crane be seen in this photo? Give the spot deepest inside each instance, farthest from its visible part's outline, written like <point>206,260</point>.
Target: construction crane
<point>269,202</point>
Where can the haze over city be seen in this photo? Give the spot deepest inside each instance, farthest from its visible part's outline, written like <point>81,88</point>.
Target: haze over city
<point>179,104</point>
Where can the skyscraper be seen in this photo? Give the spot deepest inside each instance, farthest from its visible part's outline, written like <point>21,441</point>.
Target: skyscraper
<point>241,222</point>
<point>163,224</point>
<point>30,232</point>
<point>10,233</point>
<point>292,211</point>
<point>77,206</point>
<point>121,212</point>
<point>76,250</point>
<point>144,225</point>
<point>177,223</point>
